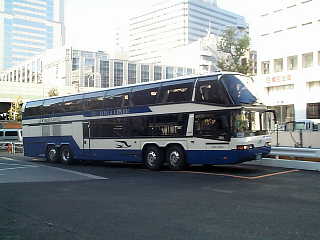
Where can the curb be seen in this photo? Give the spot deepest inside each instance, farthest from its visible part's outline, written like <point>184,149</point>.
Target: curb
<point>296,164</point>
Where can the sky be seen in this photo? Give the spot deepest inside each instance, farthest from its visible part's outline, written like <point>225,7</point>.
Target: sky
<point>91,24</point>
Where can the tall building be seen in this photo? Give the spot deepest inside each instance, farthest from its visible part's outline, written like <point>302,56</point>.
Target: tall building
<point>28,27</point>
<point>288,59</point>
<point>176,23</point>
<point>72,70</point>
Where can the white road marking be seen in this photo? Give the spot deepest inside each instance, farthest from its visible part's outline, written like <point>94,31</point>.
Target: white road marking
<point>78,173</point>
<point>4,169</point>
<point>6,158</point>
<point>21,166</point>
<point>15,164</point>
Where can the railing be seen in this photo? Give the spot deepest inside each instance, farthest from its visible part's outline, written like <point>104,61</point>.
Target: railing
<point>11,147</point>
<point>296,139</point>
<point>296,152</point>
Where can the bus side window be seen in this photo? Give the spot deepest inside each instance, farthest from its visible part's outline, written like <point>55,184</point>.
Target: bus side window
<point>176,91</point>
<point>141,126</point>
<point>73,103</point>
<point>94,101</point>
<point>117,98</point>
<point>109,128</point>
<point>33,109</point>
<point>210,90</point>
<point>171,125</point>
<point>52,106</point>
<point>145,95</point>
<point>212,126</point>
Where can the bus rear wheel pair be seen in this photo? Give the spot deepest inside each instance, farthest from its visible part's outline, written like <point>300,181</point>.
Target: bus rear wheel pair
<point>63,155</point>
<point>154,157</point>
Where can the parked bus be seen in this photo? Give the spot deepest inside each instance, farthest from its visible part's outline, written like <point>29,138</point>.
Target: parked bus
<point>205,119</point>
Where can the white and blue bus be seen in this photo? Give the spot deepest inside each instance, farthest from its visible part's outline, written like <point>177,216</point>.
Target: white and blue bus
<point>205,119</point>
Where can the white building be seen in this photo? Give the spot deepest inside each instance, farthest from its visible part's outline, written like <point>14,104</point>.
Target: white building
<point>201,55</point>
<point>288,56</point>
<point>176,23</point>
<point>71,70</point>
<point>28,28</point>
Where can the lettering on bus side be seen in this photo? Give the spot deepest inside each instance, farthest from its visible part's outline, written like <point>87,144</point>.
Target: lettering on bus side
<point>120,111</point>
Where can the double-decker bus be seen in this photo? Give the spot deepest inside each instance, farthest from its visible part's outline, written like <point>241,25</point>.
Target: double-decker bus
<point>203,119</point>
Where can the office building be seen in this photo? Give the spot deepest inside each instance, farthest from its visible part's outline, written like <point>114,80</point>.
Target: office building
<point>288,59</point>
<point>176,23</point>
<point>72,70</point>
<point>29,27</point>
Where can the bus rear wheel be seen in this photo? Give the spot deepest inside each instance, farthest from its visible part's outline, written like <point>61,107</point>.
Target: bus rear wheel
<point>153,158</point>
<point>52,154</point>
<point>175,156</point>
<point>66,155</point>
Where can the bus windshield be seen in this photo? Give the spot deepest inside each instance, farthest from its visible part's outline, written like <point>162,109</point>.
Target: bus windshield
<point>247,123</point>
<point>240,88</point>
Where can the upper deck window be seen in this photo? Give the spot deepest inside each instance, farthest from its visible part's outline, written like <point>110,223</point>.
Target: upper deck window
<point>176,91</point>
<point>33,109</point>
<point>145,94</point>
<point>95,100</point>
<point>53,106</point>
<point>210,90</point>
<point>73,103</point>
<point>117,98</point>
<point>236,86</point>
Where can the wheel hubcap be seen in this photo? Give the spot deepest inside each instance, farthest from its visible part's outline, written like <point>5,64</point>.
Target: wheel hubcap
<point>52,154</point>
<point>174,157</point>
<point>65,155</point>
<point>151,158</point>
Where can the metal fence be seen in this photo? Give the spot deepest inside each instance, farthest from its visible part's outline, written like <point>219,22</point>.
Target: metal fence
<point>297,139</point>
<point>11,147</point>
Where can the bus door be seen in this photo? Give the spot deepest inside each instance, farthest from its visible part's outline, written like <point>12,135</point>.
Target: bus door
<point>86,139</point>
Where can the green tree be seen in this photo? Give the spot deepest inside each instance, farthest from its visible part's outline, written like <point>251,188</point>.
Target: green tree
<point>53,92</point>
<point>15,111</point>
<point>235,48</point>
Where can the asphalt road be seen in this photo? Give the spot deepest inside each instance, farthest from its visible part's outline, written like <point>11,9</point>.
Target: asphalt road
<point>121,201</point>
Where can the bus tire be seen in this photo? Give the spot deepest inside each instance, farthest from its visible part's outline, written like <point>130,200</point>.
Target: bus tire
<point>66,155</point>
<point>176,158</point>
<point>153,157</point>
<point>52,154</point>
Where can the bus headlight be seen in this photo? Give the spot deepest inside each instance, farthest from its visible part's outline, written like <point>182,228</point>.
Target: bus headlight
<point>268,144</point>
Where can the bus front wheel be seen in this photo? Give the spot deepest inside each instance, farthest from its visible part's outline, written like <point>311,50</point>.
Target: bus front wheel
<point>52,154</point>
<point>66,155</point>
<point>153,158</point>
<point>175,156</point>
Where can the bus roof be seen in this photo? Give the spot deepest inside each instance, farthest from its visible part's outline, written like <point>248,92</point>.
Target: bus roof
<point>142,84</point>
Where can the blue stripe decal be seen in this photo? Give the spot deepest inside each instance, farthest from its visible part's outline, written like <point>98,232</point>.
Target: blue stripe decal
<point>36,147</point>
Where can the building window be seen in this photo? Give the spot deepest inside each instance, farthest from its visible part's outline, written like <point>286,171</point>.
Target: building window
<point>284,113</point>
<point>75,64</point>
<point>318,57</point>
<point>132,73</point>
<point>169,72</point>
<point>292,63</point>
<point>180,72</point>
<point>144,73</point>
<point>307,60</point>
<point>313,110</point>
<point>104,72</point>
<point>157,73</point>
<point>118,74</point>
<point>265,67</point>
<point>278,65</point>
